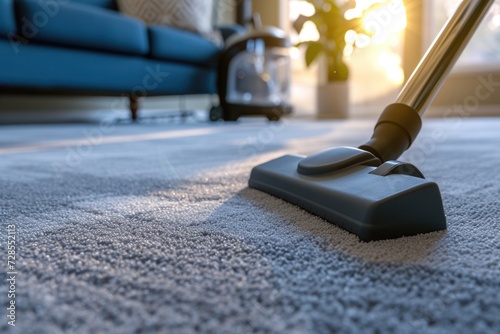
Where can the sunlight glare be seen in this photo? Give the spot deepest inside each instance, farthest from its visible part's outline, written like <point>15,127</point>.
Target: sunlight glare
<point>353,13</point>
<point>348,50</point>
<point>362,41</point>
<point>386,20</point>
<point>350,37</point>
<point>391,63</point>
<point>301,7</point>
<point>294,53</point>
<point>495,22</point>
<point>309,32</point>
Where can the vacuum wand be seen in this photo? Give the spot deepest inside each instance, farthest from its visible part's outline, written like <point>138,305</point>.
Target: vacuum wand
<point>400,123</point>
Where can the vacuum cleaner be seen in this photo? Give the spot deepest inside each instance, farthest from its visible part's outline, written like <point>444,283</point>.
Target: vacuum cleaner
<point>365,190</point>
<point>254,75</point>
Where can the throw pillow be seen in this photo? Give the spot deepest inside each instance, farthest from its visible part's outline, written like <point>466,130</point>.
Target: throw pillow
<point>192,15</point>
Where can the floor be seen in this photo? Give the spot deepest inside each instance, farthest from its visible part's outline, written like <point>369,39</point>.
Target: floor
<point>151,227</point>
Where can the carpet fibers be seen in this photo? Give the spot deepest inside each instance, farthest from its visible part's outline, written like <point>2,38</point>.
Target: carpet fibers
<point>151,228</point>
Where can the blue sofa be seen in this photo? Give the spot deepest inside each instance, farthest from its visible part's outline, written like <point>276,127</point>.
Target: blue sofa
<point>86,47</point>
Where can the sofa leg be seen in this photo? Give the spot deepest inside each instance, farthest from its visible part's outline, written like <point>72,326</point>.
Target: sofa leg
<point>134,106</point>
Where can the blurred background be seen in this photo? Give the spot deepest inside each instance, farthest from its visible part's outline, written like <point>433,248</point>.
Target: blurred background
<point>379,64</point>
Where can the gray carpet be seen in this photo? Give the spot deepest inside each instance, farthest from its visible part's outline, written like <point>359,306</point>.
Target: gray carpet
<point>151,228</point>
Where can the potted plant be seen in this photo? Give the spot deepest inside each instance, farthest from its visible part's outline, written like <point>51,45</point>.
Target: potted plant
<point>330,20</point>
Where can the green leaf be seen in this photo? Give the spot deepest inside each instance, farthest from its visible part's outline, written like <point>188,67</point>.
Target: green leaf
<point>312,52</point>
<point>338,72</point>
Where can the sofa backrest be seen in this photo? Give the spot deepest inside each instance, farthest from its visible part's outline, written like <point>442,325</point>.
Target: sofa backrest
<point>7,19</point>
<point>7,13</point>
<point>111,4</point>
<point>80,25</point>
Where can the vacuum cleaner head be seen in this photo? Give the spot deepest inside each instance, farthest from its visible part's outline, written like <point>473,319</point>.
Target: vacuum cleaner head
<point>366,191</point>
<point>356,192</point>
<point>363,190</point>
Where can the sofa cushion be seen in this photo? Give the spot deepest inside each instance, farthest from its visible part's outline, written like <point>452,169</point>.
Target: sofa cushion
<point>81,26</point>
<point>183,46</point>
<point>42,67</point>
<point>7,19</point>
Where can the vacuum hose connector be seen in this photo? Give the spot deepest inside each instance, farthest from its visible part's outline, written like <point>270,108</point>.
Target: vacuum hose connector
<point>396,129</point>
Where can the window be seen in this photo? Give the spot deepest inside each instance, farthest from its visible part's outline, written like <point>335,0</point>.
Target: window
<point>484,48</point>
<point>376,70</point>
<point>481,58</point>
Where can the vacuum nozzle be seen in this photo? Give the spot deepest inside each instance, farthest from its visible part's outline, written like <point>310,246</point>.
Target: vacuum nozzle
<point>372,200</point>
<point>363,190</point>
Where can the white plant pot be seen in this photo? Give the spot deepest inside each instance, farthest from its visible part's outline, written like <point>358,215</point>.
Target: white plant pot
<point>332,100</point>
